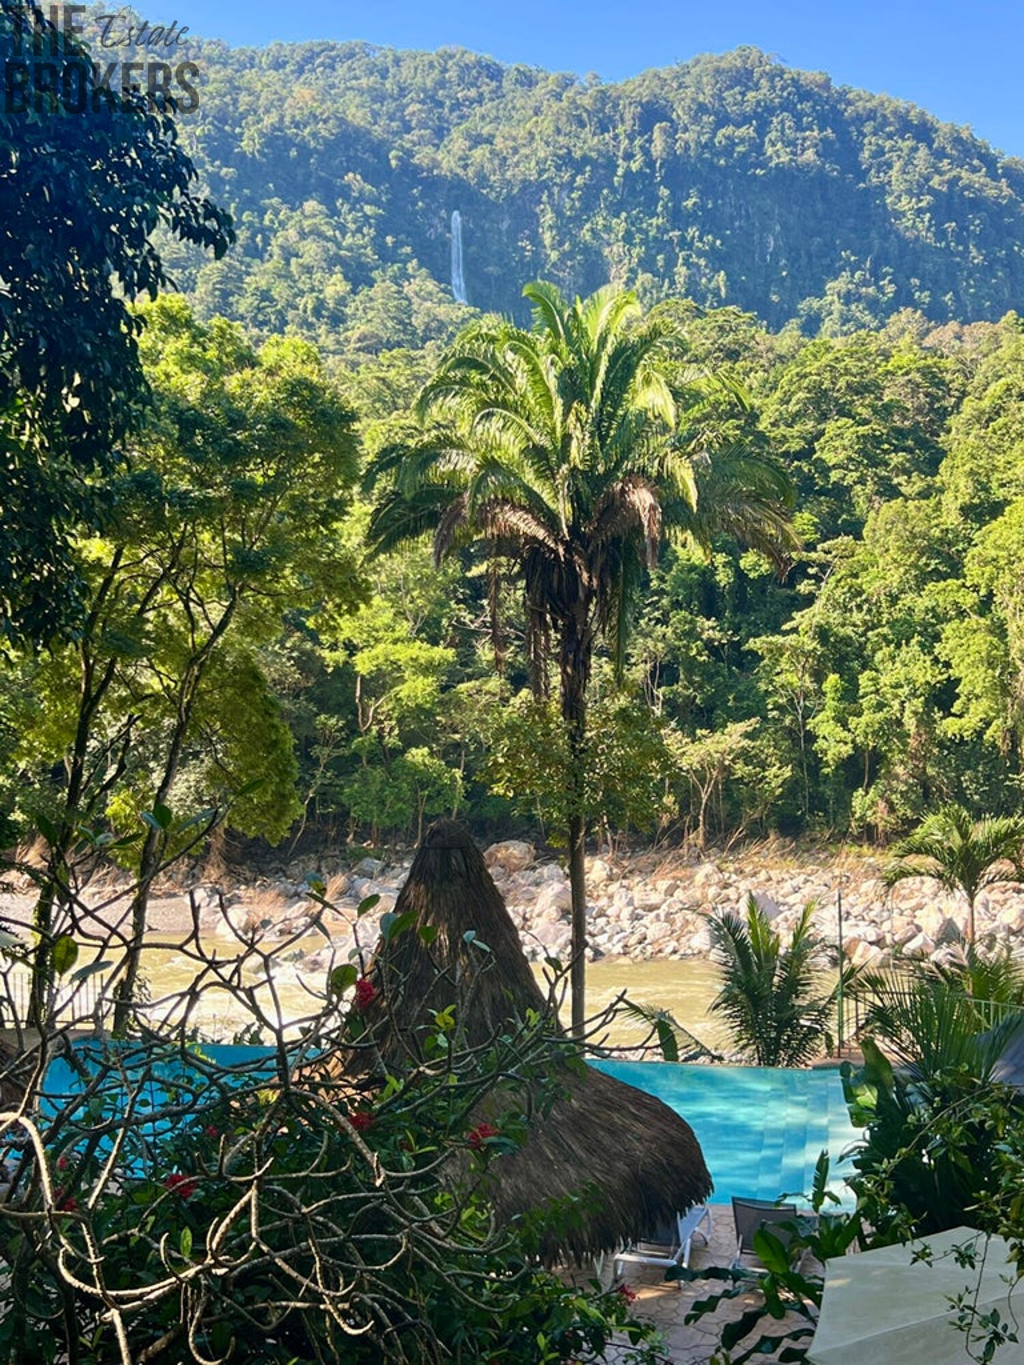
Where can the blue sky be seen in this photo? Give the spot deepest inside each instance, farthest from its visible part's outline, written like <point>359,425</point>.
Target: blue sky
<point>962,62</point>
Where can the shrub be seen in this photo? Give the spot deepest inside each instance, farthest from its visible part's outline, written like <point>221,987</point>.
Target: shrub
<point>170,1207</point>
<point>770,994</point>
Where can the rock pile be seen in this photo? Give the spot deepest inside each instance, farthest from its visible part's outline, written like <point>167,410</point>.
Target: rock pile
<point>640,906</point>
<point>645,906</point>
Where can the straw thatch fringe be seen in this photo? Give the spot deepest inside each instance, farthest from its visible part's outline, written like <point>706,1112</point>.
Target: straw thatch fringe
<point>620,1158</point>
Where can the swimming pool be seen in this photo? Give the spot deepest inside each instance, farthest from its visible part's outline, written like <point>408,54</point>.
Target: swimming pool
<point>760,1128</point>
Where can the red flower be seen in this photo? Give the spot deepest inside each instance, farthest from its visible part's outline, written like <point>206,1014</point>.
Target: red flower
<point>62,1163</point>
<point>366,993</point>
<point>361,1120</point>
<point>182,1185</point>
<point>66,1202</point>
<point>476,1137</point>
<point>212,1132</point>
<point>630,1295</point>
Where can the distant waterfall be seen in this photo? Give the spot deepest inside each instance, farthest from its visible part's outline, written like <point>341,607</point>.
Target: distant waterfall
<point>458,282</point>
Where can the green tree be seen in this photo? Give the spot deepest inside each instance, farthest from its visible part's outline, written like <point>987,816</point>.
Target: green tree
<point>227,519</point>
<point>734,754</point>
<point>771,996</point>
<point>529,763</point>
<point>562,452</point>
<point>961,853</point>
<point>80,196</point>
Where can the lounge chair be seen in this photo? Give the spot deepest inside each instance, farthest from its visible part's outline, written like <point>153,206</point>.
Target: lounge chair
<point>750,1215</point>
<point>670,1245</point>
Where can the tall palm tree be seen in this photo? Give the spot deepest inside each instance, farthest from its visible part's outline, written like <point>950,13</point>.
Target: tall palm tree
<point>564,452</point>
<point>961,854</point>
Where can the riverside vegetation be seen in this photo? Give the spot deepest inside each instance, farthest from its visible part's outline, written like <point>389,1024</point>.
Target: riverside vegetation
<point>877,680</point>
<point>197,648</point>
<point>873,681</point>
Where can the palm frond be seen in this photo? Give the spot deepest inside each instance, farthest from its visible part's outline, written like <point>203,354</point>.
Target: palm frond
<point>453,518</point>
<point>629,505</point>
<point>994,975</point>
<point>515,524</point>
<point>931,1026</point>
<point>616,617</point>
<point>398,517</point>
<point>538,383</point>
<point>603,314</point>
<point>600,322</point>
<point>475,369</point>
<point>549,314</point>
<point>677,1043</point>
<point>632,379</point>
<point>742,494</point>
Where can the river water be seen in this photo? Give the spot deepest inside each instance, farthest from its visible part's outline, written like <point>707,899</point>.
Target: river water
<point>684,988</point>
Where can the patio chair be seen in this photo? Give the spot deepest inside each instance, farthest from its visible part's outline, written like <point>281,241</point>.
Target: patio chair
<point>750,1215</point>
<point>670,1244</point>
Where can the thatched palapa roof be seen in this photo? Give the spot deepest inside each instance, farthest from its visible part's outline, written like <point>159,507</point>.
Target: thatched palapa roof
<point>630,1158</point>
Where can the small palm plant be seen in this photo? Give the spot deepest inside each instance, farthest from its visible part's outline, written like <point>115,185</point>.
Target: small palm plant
<point>961,854</point>
<point>944,1016</point>
<point>994,975</point>
<point>771,996</point>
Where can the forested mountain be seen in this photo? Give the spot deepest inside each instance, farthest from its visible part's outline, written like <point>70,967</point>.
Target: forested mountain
<point>880,676</point>
<point>728,179</point>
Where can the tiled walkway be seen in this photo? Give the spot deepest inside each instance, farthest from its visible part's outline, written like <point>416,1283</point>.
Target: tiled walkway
<point>666,1303</point>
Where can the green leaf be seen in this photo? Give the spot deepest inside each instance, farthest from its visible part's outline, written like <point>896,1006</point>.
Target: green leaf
<point>667,1041</point>
<point>392,925</point>
<point>46,828</point>
<point>64,954</point>
<point>159,818</point>
<point>734,1332</point>
<point>185,1243</point>
<point>90,969</point>
<point>201,817</point>
<point>341,978</point>
<point>427,933</point>
<point>772,1251</point>
<point>367,904</point>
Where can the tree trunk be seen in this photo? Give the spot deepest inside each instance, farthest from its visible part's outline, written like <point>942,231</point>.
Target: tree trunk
<point>578,887</point>
<point>94,682</point>
<point>575,673</point>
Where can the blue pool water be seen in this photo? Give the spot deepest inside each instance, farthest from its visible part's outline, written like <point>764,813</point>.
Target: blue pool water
<point>151,1083</point>
<point>760,1129</point>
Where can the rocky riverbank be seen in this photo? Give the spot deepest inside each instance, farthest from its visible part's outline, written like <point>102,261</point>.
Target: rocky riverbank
<point>648,906</point>
<point>640,906</point>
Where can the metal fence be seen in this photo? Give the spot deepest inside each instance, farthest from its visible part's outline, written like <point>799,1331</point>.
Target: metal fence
<point>990,1012</point>
<point>82,1003</point>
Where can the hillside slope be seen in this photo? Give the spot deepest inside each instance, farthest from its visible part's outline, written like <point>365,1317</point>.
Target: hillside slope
<point>730,179</point>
